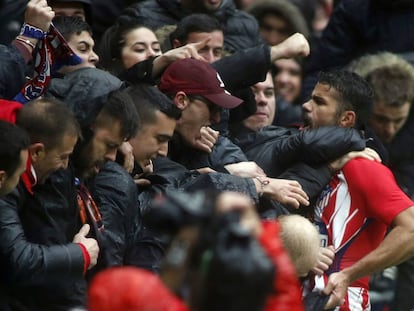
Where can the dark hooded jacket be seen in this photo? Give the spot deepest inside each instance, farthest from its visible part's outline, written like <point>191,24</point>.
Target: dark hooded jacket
<point>37,252</point>
<point>241,30</point>
<point>116,196</point>
<point>284,8</point>
<point>85,85</point>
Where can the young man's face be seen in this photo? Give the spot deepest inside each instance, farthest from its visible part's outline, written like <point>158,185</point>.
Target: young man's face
<point>82,45</point>
<point>152,139</point>
<point>274,29</point>
<point>288,80</point>
<point>213,50</point>
<point>102,146</point>
<point>387,120</point>
<point>264,94</point>
<point>322,108</point>
<point>140,44</point>
<point>8,183</point>
<point>197,114</point>
<point>54,159</point>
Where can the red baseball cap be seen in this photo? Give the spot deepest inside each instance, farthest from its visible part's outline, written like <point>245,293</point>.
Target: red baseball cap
<point>195,77</point>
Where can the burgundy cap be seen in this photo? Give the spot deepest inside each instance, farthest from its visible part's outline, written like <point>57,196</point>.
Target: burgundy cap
<point>195,77</point>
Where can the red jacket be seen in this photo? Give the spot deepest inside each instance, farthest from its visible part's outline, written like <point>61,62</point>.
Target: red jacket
<point>288,295</point>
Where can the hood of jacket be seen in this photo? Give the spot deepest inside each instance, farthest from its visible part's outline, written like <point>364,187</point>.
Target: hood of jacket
<point>84,91</point>
<point>281,7</point>
<point>175,9</point>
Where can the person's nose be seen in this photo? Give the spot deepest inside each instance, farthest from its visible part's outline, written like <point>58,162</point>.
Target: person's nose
<point>390,128</point>
<point>209,56</point>
<point>151,52</point>
<point>261,99</point>
<point>110,155</point>
<point>94,58</point>
<point>65,163</point>
<point>282,77</point>
<point>307,106</point>
<point>163,150</point>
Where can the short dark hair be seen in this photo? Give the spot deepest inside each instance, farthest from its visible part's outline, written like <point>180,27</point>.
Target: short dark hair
<point>70,25</point>
<point>194,23</point>
<point>148,100</point>
<point>47,120</point>
<point>120,107</point>
<point>354,92</point>
<point>13,140</point>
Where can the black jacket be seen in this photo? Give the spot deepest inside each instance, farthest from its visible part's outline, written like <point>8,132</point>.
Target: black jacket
<point>241,30</point>
<point>40,267</point>
<point>275,149</point>
<point>116,196</point>
<point>169,175</point>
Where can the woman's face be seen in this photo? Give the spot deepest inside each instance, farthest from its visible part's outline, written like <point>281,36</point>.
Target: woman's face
<point>140,44</point>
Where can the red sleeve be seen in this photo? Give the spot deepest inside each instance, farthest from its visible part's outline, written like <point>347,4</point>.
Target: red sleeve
<point>375,185</point>
<point>287,295</point>
<point>86,257</point>
<point>9,109</point>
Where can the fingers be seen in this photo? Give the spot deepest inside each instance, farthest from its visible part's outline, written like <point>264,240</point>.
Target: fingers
<point>199,45</point>
<point>299,194</point>
<point>207,139</point>
<point>336,288</point>
<point>333,301</point>
<point>259,170</point>
<point>84,230</point>
<point>39,14</point>
<point>215,134</point>
<point>203,146</point>
<point>208,135</point>
<point>369,154</point>
<point>142,182</point>
<point>289,192</point>
<point>205,170</point>
<point>189,50</point>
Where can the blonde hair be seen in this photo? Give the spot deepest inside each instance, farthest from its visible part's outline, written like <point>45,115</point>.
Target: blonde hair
<point>301,240</point>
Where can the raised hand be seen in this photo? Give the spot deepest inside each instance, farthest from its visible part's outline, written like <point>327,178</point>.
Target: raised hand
<point>294,46</point>
<point>39,14</point>
<point>189,50</point>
